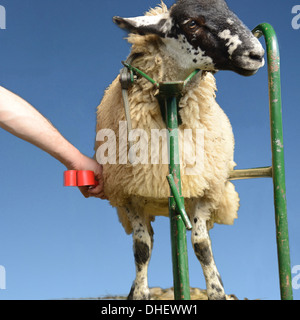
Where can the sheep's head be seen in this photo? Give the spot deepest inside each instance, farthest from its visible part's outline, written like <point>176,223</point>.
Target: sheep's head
<point>202,34</point>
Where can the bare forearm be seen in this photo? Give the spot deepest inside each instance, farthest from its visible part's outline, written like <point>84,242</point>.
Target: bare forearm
<point>22,120</point>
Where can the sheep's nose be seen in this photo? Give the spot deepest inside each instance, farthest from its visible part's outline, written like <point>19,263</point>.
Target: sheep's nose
<point>257,54</point>
<point>250,60</point>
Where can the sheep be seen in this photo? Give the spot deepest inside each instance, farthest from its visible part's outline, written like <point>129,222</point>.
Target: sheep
<point>168,44</point>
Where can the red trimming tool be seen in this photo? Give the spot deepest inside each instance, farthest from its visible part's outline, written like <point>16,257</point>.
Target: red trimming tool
<point>79,178</point>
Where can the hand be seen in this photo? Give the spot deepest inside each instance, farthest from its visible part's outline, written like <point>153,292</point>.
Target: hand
<point>86,163</point>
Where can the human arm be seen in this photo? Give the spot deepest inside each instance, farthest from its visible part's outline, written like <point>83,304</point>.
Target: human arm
<point>21,119</point>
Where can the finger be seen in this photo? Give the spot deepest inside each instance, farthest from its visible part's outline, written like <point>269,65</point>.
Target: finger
<point>84,191</point>
<point>95,190</point>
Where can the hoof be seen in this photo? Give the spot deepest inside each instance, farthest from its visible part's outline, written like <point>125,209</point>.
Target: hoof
<point>139,293</point>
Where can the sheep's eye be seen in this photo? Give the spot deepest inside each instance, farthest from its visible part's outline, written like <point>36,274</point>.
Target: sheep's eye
<point>192,24</point>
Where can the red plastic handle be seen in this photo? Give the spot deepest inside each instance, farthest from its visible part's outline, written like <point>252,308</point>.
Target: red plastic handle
<point>79,178</point>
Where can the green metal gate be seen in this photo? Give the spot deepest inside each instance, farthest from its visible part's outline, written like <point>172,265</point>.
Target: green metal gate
<point>169,95</point>
<point>277,170</point>
<point>171,91</point>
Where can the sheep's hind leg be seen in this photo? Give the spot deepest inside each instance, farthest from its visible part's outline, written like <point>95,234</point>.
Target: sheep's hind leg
<point>142,248</point>
<point>202,247</point>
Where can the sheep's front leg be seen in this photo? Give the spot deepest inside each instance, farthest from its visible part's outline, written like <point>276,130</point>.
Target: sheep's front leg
<point>142,247</point>
<point>202,247</point>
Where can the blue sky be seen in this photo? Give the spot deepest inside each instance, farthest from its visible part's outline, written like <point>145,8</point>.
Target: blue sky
<point>54,243</point>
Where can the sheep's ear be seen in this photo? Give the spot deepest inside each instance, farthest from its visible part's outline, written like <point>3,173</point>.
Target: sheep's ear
<point>158,24</point>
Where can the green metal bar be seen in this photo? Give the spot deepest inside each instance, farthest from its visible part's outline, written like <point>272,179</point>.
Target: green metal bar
<point>141,73</point>
<point>189,78</point>
<point>265,172</point>
<point>278,159</point>
<point>169,94</point>
<point>179,203</point>
<point>178,230</point>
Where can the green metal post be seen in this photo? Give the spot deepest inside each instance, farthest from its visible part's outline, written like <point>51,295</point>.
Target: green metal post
<point>169,94</point>
<point>278,158</point>
<point>178,229</point>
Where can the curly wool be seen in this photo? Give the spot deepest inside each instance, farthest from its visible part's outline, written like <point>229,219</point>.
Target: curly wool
<point>146,184</point>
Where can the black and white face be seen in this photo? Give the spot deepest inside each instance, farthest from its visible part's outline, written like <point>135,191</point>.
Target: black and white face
<point>202,34</point>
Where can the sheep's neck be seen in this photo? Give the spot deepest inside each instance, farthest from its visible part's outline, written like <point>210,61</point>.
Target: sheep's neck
<point>158,60</point>
<point>174,68</point>
<point>167,68</point>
